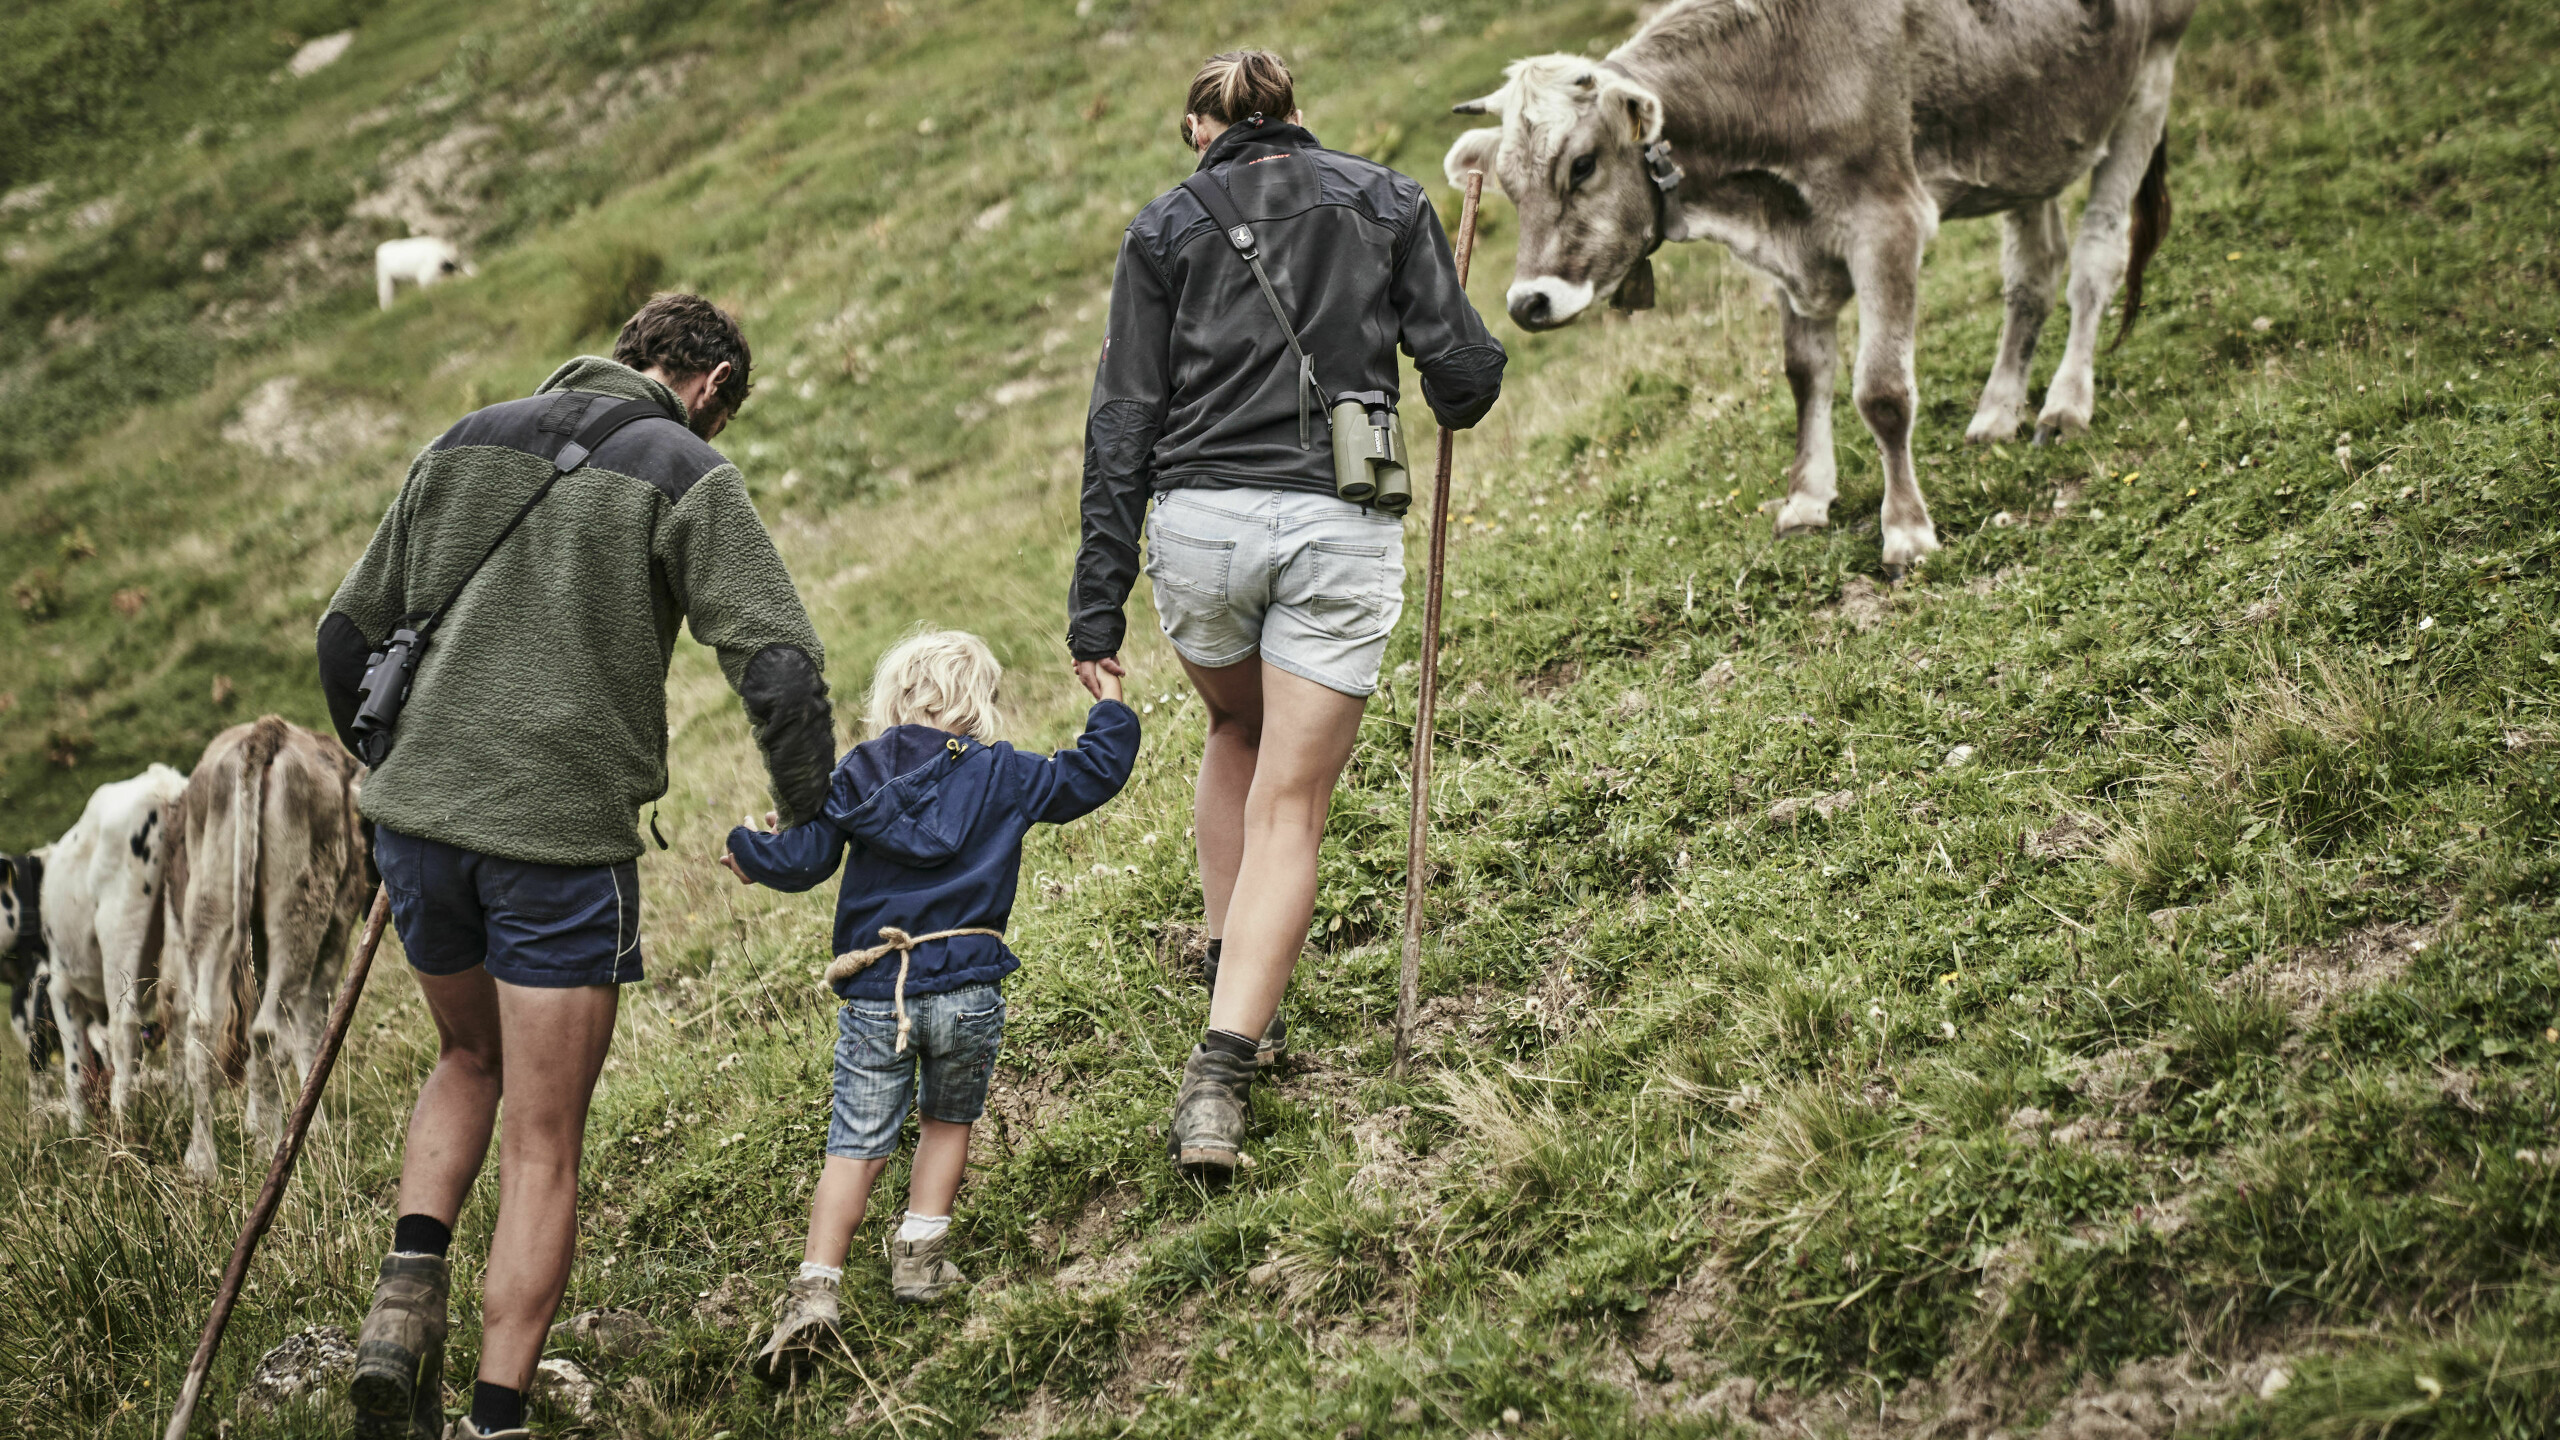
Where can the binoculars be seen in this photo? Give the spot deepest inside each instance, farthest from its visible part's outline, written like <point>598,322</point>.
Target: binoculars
<point>1368,453</point>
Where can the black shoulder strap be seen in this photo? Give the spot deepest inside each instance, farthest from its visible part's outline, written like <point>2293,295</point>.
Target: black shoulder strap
<point>602,421</point>
<point>1213,198</point>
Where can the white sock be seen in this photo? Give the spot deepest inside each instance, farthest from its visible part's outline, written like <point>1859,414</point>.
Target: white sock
<point>922,1227</point>
<point>812,1270</point>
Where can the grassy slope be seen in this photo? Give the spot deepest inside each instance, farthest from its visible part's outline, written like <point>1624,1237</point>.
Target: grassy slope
<point>1879,1108</point>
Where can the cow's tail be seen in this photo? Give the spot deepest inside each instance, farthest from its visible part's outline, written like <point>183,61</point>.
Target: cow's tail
<point>2150,227</point>
<point>252,763</point>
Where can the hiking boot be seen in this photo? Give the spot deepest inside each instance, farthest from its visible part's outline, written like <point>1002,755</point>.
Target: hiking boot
<point>1274,1045</point>
<point>1209,1114</point>
<point>463,1429</point>
<point>917,1272</point>
<point>804,1321</point>
<point>398,1389</point>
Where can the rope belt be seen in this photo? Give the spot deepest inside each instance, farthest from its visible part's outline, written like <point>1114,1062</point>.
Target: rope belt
<point>854,962</point>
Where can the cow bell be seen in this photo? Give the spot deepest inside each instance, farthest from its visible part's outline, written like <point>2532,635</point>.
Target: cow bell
<point>1636,291</point>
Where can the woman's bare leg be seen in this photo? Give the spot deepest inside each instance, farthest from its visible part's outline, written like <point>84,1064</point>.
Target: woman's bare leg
<point>1304,737</point>
<point>1234,697</point>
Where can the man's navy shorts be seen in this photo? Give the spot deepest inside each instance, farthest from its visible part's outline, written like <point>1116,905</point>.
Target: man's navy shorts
<point>553,927</point>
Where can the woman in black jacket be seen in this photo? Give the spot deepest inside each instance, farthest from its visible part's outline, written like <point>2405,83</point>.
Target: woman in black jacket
<point>1278,596</point>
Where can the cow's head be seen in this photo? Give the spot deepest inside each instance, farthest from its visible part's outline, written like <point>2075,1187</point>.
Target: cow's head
<point>1570,153</point>
<point>21,881</point>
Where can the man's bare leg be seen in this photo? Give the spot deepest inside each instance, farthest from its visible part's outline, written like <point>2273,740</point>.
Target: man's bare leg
<point>554,1043</point>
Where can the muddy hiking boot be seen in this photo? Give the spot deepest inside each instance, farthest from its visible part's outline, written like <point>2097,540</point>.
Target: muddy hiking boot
<point>398,1389</point>
<point>918,1273</point>
<point>804,1325</point>
<point>464,1429</point>
<point>1209,1114</point>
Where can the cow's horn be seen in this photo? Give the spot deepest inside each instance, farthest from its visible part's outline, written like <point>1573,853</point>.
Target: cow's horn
<point>1484,105</point>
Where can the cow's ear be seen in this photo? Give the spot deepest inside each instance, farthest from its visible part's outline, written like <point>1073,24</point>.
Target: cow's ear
<point>1644,115</point>
<point>1475,150</point>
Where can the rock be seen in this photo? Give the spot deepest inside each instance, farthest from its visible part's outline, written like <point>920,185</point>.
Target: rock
<point>2029,1123</point>
<point>1960,756</point>
<point>310,1364</point>
<point>1718,676</point>
<point>320,54</point>
<point>563,1386</point>
<point>616,1334</point>
<point>2277,1381</point>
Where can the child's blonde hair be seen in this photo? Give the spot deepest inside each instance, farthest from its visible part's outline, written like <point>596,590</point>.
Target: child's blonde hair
<point>943,678</point>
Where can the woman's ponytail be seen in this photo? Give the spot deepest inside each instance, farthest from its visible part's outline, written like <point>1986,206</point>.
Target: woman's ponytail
<point>1240,84</point>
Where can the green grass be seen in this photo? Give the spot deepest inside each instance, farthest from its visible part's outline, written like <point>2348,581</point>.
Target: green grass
<point>1879,1105</point>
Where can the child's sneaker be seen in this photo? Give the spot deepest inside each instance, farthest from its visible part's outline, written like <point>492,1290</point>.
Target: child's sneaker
<point>917,1272</point>
<point>804,1319</point>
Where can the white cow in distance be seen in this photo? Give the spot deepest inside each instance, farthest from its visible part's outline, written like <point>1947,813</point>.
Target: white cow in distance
<point>100,909</point>
<point>421,259</point>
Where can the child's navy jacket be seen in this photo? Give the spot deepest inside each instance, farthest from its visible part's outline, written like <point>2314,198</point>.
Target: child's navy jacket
<point>935,822</point>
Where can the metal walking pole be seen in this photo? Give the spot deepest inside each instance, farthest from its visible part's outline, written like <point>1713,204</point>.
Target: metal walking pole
<point>1416,849</point>
<point>280,1171</point>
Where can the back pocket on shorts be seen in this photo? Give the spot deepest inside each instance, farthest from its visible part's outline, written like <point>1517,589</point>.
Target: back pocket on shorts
<point>1189,563</point>
<point>1348,589</point>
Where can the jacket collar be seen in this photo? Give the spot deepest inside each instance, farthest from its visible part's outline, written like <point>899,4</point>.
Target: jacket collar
<point>596,374</point>
<point>1276,134</point>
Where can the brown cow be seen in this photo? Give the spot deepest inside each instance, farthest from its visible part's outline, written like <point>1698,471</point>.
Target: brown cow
<point>266,881</point>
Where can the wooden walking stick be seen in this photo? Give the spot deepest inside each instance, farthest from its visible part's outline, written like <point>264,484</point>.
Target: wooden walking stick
<point>280,1170</point>
<point>1416,849</point>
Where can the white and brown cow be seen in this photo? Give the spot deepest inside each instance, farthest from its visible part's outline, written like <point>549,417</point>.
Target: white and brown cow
<point>266,879</point>
<point>99,906</point>
<point>1823,141</point>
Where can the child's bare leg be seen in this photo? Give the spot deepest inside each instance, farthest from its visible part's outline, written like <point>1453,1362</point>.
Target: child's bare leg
<point>942,1152</point>
<point>844,1190</point>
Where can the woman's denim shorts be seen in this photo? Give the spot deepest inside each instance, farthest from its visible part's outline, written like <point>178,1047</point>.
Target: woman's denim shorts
<point>952,1038</point>
<point>1312,582</point>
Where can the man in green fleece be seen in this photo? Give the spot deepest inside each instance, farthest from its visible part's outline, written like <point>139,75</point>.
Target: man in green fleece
<point>506,817</point>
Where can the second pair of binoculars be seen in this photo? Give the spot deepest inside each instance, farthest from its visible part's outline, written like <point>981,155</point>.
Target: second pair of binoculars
<point>1368,452</point>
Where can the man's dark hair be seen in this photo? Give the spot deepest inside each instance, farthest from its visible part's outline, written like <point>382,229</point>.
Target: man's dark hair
<point>687,335</point>
<point>1240,83</point>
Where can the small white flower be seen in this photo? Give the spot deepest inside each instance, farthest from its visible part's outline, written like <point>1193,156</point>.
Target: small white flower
<point>1947,1028</point>
<point>2426,622</point>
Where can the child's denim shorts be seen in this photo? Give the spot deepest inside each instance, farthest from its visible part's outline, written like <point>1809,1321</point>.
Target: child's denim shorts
<point>1311,582</point>
<point>953,1039</point>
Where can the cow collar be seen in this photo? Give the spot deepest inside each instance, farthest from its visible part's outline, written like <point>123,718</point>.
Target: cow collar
<point>1662,177</point>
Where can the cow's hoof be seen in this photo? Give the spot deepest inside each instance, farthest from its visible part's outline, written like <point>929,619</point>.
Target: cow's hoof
<point>1803,527</point>
<point>1893,574</point>
<point>2045,435</point>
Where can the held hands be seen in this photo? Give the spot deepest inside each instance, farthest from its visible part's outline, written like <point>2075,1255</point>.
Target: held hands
<point>772,823</point>
<point>1102,676</point>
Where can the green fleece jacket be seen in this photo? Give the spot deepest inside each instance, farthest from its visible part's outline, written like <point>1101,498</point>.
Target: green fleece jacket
<point>537,724</point>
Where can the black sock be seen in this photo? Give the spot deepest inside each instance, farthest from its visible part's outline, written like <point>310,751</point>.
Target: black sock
<point>1241,1047</point>
<point>495,1408</point>
<point>421,1235</point>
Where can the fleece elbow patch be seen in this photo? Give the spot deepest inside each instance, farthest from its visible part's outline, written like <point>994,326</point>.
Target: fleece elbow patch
<point>786,698</point>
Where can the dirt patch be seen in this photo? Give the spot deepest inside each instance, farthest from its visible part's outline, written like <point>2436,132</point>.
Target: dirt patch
<point>2068,836</point>
<point>2007,575</point>
<point>2309,978</point>
<point>1863,604</point>
<point>2119,1082</point>
<point>274,423</point>
<point>1719,675</point>
<point>1660,1366</point>
<point>1790,812</point>
<point>733,1304</point>
<point>1094,1261</point>
<point>2152,1399</point>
